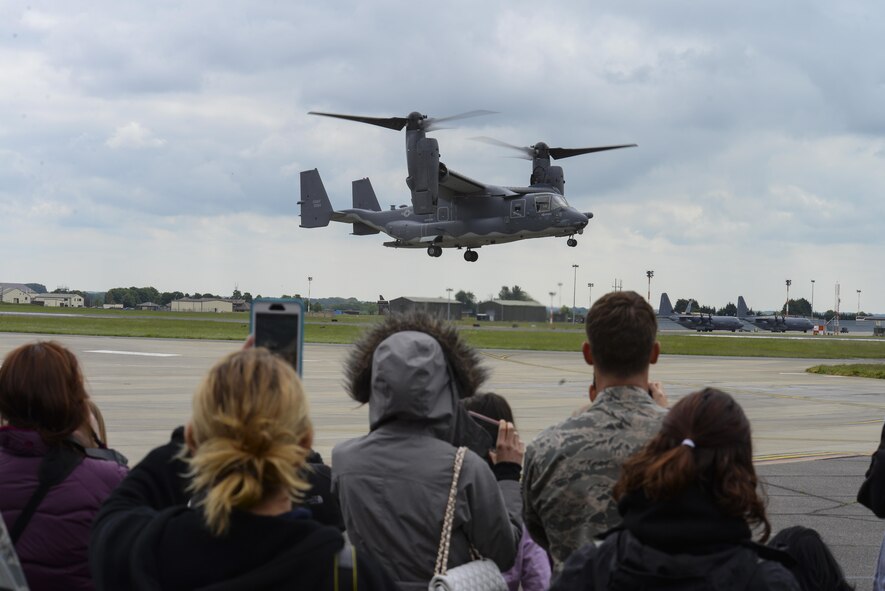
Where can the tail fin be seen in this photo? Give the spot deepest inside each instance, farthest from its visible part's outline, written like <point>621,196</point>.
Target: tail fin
<point>364,196</point>
<point>316,210</point>
<point>688,307</point>
<point>665,309</point>
<point>743,311</point>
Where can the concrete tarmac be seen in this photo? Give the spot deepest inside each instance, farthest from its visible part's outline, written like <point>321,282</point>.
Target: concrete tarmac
<point>144,388</point>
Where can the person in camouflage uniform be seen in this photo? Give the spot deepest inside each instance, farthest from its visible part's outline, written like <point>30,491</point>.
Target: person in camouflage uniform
<point>571,468</point>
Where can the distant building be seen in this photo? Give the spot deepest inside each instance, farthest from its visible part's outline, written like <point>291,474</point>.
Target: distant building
<point>58,300</point>
<point>16,293</point>
<point>112,306</point>
<point>209,305</point>
<point>513,310</point>
<point>439,307</point>
<point>148,306</point>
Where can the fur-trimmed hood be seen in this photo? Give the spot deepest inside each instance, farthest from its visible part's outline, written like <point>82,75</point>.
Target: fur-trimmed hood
<point>463,360</point>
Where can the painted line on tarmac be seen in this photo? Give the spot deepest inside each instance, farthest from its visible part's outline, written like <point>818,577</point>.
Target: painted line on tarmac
<point>109,352</point>
<point>802,456</point>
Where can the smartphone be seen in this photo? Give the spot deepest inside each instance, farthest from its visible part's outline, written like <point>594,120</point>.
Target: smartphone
<point>278,325</point>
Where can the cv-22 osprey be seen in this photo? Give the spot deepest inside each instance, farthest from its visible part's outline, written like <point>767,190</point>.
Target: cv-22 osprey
<point>450,210</point>
<point>703,322</point>
<point>775,323</point>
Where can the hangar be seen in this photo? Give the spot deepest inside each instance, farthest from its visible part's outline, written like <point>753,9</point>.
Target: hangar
<point>513,310</point>
<point>16,293</point>
<point>58,300</point>
<point>439,307</point>
<point>208,305</point>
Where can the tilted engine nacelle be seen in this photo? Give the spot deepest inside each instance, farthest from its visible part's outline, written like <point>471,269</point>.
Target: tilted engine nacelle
<point>425,184</point>
<point>556,178</point>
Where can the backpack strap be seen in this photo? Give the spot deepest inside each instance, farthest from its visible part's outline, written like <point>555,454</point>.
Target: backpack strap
<point>345,567</point>
<point>56,466</point>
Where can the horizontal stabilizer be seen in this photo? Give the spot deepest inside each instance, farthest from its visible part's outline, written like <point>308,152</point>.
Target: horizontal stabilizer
<point>316,210</point>
<point>364,197</point>
<point>360,229</point>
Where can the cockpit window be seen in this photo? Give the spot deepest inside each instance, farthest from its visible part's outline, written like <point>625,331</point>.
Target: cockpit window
<point>542,203</point>
<point>559,202</point>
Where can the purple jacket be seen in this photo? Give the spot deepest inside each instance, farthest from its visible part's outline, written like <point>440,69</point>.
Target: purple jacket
<point>53,547</point>
<point>532,567</point>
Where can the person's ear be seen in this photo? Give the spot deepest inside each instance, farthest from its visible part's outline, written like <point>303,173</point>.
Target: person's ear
<point>655,351</point>
<point>189,440</point>
<point>588,353</point>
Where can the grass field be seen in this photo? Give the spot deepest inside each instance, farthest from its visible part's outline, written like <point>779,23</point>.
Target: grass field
<point>859,370</point>
<point>346,329</point>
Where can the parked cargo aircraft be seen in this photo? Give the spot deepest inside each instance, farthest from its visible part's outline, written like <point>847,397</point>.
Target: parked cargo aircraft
<point>701,322</point>
<point>774,323</point>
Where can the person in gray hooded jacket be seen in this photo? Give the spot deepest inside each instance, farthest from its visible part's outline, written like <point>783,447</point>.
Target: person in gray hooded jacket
<point>393,483</point>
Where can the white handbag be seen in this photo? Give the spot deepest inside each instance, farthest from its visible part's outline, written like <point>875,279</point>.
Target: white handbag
<point>481,574</point>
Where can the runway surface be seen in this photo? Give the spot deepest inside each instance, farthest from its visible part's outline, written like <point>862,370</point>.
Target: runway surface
<point>144,388</point>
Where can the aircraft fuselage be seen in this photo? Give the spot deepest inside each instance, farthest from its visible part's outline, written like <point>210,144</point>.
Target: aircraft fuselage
<point>471,222</point>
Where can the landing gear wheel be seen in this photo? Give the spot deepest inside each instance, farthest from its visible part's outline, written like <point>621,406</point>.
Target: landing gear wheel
<point>572,242</point>
<point>434,251</point>
<point>471,256</point>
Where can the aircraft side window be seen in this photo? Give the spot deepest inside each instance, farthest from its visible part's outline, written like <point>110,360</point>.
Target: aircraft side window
<point>542,204</point>
<point>516,210</point>
<point>559,202</point>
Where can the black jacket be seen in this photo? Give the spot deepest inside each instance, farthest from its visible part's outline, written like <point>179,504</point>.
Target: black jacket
<point>685,543</point>
<point>146,537</point>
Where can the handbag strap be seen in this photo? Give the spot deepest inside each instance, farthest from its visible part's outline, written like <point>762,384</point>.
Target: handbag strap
<point>442,556</point>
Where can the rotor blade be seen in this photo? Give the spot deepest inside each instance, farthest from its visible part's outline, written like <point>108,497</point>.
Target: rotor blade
<point>559,153</point>
<point>433,123</point>
<point>527,152</point>
<point>395,123</point>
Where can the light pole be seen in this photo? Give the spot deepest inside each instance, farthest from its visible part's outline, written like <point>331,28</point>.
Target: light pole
<point>589,300</point>
<point>552,293</point>
<point>560,294</point>
<point>448,303</point>
<point>787,313</point>
<point>309,281</point>
<point>574,292</point>
<point>858,303</point>
<point>649,274</point>
<point>812,300</point>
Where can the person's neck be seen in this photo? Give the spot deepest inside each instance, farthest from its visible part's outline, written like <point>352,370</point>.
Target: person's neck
<point>272,505</point>
<point>637,380</point>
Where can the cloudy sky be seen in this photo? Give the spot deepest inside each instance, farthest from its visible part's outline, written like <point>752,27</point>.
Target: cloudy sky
<point>160,143</point>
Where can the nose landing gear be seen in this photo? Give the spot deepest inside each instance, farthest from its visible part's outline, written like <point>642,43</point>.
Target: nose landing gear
<point>434,251</point>
<point>471,256</point>
<point>572,242</point>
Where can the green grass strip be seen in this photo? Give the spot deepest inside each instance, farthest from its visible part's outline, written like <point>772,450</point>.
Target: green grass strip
<point>489,336</point>
<point>858,370</point>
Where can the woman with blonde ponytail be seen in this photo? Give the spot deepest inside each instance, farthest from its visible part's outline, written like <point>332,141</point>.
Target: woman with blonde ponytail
<point>689,501</point>
<point>217,506</point>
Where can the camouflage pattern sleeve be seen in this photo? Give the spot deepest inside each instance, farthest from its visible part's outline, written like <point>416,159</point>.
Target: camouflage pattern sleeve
<point>531,519</point>
<point>571,469</point>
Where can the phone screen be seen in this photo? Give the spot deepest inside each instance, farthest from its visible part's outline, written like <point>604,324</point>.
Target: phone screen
<point>279,333</point>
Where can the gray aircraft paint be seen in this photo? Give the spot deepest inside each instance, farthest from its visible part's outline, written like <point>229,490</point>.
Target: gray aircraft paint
<point>701,322</point>
<point>450,210</point>
<point>775,323</point>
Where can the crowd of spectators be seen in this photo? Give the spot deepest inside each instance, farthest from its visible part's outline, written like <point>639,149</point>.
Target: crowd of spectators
<point>624,494</point>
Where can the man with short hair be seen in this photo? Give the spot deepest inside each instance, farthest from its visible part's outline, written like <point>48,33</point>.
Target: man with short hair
<point>570,468</point>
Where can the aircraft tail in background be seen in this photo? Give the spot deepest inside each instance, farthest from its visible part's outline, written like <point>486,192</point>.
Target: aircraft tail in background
<point>742,311</point>
<point>688,307</point>
<point>316,209</point>
<point>665,309</point>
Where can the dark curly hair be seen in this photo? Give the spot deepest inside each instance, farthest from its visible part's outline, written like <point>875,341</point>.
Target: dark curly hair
<point>464,360</point>
<point>721,461</point>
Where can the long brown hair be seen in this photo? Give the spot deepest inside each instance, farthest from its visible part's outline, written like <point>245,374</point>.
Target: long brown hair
<point>721,460</point>
<point>41,388</point>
